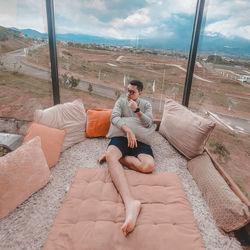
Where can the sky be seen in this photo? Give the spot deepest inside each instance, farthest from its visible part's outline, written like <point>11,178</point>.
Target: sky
<point>135,19</point>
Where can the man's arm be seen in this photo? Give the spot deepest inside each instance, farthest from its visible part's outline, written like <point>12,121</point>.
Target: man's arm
<point>132,142</point>
<point>118,122</point>
<point>146,117</point>
<point>116,114</point>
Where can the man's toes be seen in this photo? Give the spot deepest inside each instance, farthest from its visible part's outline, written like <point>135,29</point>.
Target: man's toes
<point>124,229</point>
<point>102,159</point>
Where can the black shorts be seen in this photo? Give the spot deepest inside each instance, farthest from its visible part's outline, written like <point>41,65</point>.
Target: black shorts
<point>122,144</point>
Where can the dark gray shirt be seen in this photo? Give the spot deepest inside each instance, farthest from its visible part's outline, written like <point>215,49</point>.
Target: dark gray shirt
<point>121,109</point>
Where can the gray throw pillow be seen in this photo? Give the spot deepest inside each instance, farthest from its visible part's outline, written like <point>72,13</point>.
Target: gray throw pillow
<point>142,134</point>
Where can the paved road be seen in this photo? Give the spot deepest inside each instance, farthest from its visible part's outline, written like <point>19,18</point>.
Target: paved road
<point>233,123</point>
<point>238,124</point>
<point>185,70</point>
<point>13,60</point>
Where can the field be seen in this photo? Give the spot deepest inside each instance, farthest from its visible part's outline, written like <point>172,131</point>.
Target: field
<point>108,67</point>
<point>21,94</point>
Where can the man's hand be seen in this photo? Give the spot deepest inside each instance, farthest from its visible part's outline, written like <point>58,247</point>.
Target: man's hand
<point>130,136</point>
<point>132,105</point>
<point>131,139</point>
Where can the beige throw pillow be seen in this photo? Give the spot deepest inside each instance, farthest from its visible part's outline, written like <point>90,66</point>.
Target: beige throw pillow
<point>69,116</point>
<point>185,130</point>
<point>229,212</point>
<point>142,134</point>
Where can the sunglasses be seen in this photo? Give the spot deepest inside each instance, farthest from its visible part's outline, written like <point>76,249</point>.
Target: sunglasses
<point>131,92</point>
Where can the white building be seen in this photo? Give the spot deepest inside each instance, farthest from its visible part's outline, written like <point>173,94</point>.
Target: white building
<point>244,78</point>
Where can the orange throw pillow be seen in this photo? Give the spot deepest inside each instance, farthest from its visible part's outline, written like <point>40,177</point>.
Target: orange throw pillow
<point>98,122</point>
<point>51,139</point>
<point>23,172</point>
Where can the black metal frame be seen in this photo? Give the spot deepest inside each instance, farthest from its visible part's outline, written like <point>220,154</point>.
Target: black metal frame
<point>191,59</point>
<point>52,48</point>
<point>193,51</point>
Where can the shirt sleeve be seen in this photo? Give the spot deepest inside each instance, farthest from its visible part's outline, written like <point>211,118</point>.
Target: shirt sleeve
<point>116,118</point>
<point>147,117</point>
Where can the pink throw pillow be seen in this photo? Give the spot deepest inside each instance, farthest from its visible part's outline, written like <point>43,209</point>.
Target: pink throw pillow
<point>22,173</point>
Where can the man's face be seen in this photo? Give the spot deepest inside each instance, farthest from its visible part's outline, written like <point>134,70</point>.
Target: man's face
<point>132,92</point>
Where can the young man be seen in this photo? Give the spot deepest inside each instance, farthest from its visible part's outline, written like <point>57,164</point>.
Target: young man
<point>128,151</point>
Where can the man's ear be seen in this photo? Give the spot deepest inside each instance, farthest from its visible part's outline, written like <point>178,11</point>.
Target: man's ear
<point>140,92</point>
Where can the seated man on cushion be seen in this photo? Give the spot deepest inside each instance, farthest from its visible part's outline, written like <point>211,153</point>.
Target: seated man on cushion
<point>128,151</point>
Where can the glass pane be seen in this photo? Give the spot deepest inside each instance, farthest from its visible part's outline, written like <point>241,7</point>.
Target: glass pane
<point>221,86</point>
<point>102,46</point>
<point>24,76</point>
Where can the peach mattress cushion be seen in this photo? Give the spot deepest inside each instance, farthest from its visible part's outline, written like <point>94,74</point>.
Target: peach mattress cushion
<point>93,213</point>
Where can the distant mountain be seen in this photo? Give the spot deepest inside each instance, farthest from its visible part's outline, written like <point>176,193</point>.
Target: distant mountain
<point>11,40</point>
<point>6,34</point>
<point>217,44</point>
<point>32,33</point>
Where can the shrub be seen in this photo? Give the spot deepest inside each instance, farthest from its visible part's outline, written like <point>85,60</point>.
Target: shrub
<point>67,81</point>
<point>220,149</point>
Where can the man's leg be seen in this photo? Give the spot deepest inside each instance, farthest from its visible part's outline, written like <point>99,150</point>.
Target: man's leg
<point>132,206</point>
<point>143,162</point>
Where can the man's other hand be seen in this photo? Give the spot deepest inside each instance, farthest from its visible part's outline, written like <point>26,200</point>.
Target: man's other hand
<point>130,136</point>
<point>131,139</point>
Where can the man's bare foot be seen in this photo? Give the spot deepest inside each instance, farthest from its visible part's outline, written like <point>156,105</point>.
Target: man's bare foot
<point>132,212</point>
<point>102,159</point>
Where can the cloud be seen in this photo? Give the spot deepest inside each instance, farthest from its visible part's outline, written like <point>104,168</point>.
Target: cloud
<point>96,4</point>
<point>126,19</point>
<point>140,17</point>
<point>228,18</point>
<point>228,28</point>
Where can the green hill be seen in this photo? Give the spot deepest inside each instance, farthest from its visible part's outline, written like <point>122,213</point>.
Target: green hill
<point>11,40</point>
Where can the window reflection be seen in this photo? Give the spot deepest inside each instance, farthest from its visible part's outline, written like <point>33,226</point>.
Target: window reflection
<point>24,79</point>
<point>221,89</point>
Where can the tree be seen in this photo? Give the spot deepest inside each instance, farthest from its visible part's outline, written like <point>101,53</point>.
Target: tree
<point>215,59</point>
<point>74,82</point>
<point>200,96</point>
<point>1,63</point>
<point>3,37</point>
<point>16,67</point>
<point>117,93</point>
<point>149,87</point>
<point>175,91</point>
<point>67,81</point>
<point>230,103</point>
<point>90,88</point>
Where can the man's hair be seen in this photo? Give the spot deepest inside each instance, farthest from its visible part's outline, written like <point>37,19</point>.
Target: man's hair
<point>137,83</point>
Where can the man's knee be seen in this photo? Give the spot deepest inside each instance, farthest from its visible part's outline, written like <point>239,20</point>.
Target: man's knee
<point>113,154</point>
<point>148,167</point>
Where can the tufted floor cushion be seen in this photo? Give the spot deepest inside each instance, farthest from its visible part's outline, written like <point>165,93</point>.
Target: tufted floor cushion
<point>93,213</point>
